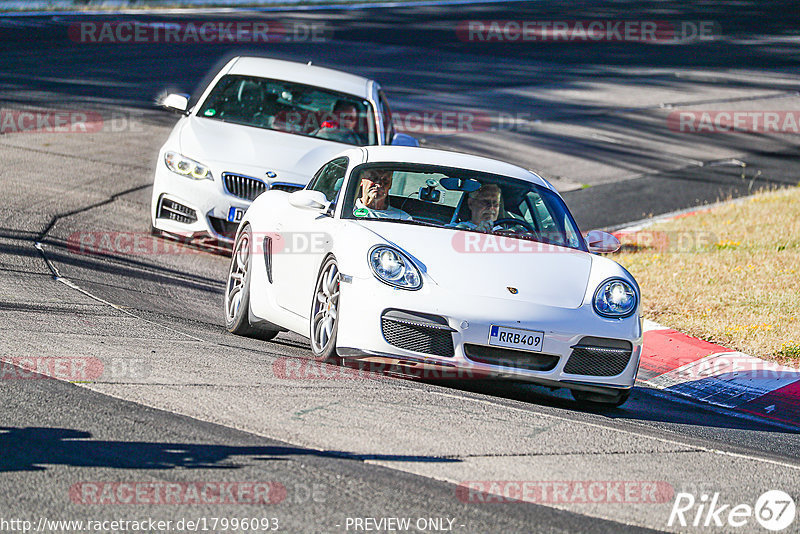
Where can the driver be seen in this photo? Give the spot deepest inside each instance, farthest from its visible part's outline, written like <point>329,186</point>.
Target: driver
<point>484,207</point>
<point>374,200</point>
<point>342,128</point>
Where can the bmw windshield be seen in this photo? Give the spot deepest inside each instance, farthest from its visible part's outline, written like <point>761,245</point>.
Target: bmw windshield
<point>291,107</point>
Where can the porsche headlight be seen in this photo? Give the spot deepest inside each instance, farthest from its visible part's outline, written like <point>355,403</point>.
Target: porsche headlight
<point>186,167</point>
<point>393,268</point>
<point>615,298</point>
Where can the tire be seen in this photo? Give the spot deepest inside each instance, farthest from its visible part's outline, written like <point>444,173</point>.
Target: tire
<point>237,290</point>
<point>324,321</point>
<point>590,399</point>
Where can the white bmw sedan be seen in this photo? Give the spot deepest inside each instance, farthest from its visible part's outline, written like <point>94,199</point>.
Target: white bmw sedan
<point>260,124</point>
<point>443,259</point>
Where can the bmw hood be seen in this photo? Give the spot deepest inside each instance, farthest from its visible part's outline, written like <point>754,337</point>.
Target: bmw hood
<point>493,266</point>
<point>229,145</point>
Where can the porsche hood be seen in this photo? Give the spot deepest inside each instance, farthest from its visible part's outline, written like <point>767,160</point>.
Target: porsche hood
<point>491,265</point>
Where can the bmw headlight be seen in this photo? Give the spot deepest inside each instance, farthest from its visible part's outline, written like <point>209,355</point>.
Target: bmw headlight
<point>615,298</point>
<point>186,167</point>
<point>393,268</point>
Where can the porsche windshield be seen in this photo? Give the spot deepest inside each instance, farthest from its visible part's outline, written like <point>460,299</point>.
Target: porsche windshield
<point>460,200</point>
<point>291,107</point>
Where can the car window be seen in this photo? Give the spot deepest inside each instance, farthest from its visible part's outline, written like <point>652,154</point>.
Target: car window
<point>408,184</point>
<point>549,218</point>
<point>413,194</point>
<point>291,107</point>
<point>329,178</point>
<point>459,199</point>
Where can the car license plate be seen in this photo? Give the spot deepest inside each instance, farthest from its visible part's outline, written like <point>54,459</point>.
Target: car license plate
<point>235,215</point>
<point>516,338</point>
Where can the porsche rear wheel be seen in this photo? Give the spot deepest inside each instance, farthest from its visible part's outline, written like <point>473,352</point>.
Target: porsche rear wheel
<point>325,313</point>
<point>237,290</point>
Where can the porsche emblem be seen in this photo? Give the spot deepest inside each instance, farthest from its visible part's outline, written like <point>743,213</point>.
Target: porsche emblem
<point>512,290</point>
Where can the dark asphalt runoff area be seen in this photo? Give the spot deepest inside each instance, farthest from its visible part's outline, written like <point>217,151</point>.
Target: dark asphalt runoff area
<point>180,403</point>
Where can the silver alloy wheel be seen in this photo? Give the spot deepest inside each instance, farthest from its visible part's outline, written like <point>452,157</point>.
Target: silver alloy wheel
<point>234,292</point>
<point>326,307</point>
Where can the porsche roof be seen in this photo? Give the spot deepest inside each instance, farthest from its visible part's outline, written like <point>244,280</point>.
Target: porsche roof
<point>292,71</point>
<point>404,154</point>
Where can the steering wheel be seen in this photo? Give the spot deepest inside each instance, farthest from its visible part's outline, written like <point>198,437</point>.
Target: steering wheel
<point>511,223</point>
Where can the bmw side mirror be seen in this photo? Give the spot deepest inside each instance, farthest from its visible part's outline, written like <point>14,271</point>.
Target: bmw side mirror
<point>401,139</point>
<point>176,102</point>
<point>600,242</point>
<point>309,200</point>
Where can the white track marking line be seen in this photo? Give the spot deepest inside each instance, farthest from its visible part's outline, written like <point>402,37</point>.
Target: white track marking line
<point>624,431</point>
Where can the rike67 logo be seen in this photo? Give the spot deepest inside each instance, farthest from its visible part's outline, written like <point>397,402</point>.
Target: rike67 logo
<point>774,510</point>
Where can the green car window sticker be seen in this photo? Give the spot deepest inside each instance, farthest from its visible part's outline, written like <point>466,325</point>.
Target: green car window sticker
<point>210,112</point>
<point>361,212</point>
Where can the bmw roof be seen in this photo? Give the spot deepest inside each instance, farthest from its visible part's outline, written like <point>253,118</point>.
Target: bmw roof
<point>304,73</point>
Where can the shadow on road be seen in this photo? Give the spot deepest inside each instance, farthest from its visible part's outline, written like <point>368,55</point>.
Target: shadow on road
<point>33,448</point>
<point>645,404</point>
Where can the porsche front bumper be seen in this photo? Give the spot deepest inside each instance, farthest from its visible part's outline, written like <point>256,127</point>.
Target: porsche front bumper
<point>580,349</point>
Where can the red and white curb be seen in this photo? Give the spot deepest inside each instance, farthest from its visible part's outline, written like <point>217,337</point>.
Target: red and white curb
<point>675,362</point>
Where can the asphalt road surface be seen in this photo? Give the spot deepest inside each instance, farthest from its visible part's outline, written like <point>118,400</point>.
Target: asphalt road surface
<point>172,400</point>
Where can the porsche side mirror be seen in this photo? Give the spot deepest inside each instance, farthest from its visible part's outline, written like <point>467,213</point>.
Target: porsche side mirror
<point>401,139</point>
<point>600,242</point>
<point>309,200</point>
<point>176,102</point>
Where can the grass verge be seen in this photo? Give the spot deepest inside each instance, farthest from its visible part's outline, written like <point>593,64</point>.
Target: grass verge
<point>729,275</point>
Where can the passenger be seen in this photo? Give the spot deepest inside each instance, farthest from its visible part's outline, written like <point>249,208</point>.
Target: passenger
<point>484,207</point>
<point>343,126</point>
<point>374,200</point>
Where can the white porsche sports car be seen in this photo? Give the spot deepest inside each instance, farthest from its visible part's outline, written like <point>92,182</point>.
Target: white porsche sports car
<point>388,253</point>
<point>260,124</point>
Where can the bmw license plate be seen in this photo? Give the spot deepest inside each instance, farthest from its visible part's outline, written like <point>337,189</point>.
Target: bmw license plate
<point>235,215</point>
<point>516,338</point>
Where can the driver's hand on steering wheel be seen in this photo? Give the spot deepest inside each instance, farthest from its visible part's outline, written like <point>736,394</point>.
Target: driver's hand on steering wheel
<point>485,227</point>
